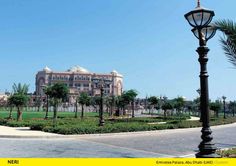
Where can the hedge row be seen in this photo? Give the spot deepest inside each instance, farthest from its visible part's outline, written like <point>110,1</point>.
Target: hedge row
<point>90,125</point>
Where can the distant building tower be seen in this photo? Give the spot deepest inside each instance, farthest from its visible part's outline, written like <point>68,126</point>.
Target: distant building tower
<point>79,79</point>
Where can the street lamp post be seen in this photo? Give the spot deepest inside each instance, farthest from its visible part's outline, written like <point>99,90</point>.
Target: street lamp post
<point>101,82</point>
<point>199,92</point>
<point>101,120</point>
<point>199,19</point>
<point>223,97</point>
<point>47,100</point>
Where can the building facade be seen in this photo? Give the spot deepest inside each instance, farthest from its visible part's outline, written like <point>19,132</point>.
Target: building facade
<point>78,80</point>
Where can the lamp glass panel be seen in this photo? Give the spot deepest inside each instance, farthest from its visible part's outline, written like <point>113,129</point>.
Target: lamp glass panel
<point>210,32</point>
<point>198,18</point>
<point>191,20</point>
<point>206,18</point>
<point>207,32</point>
<point>195,32</point>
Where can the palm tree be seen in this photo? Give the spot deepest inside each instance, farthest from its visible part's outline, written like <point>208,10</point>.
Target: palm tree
<point>20,89</point>
<point>109,104</point>
<point>10,104</point>
<point>57,93</point>
<point>216,107</point>
<point>19,98</point>
<point>228,42</point>
<point>232,106</point>
<point>84,99</point>
<point>95,102</point>
<point>179,104</point>
<point>167,105</point>
<point>154,102</point>
<point>129,97</point>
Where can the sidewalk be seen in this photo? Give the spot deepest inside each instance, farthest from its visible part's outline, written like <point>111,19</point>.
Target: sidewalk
<point>25,132</point>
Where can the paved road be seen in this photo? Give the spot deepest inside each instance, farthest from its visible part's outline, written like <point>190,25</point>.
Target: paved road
<point>168,143</point>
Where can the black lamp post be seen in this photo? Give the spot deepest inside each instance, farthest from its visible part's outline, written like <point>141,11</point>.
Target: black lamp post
<point>200,19</point>
<point>199,92</point>
<point>101,82</point>
<point>223,97</point>
<point>47,100</point>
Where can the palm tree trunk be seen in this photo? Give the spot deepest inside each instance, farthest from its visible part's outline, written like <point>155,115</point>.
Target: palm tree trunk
<point>19,114</point>
<point>82,112</point>
<point>76,109</point>
<point>10,113</point>
<point>133,109</point>
<point>55,112</point>
<point>165,114</point>
<point>46,115</point>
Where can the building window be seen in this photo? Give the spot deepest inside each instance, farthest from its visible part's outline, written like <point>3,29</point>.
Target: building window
<point>86,85</point>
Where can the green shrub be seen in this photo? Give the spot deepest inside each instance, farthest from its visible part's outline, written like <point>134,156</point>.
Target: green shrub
<point>38,125</point>
<point>17,123</point>
<point>3,121</point>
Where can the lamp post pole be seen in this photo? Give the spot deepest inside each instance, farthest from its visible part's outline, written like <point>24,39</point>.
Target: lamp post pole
<point>199,93</point>
<point>199,19</point>
<point>223,97</point>
<point>100,83</point>
<point>101,119</point>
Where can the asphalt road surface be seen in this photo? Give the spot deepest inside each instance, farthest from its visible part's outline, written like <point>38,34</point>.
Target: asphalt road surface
<point>164,143</point>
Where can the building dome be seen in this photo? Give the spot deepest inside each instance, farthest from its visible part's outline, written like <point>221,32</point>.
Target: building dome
<point>116,73</point>
<point>78,69</point>
<point>47,69</point>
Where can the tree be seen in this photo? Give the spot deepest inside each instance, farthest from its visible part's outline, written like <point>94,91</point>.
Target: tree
<point>84,100</point>
<point>38,102</point>
<point>167,105</point>
<point>179,104</point>
<point>190,106</point>
<point>153,102</point>
<point>196,105</point>
<point>120,104</point>
<point>109,103</point>
<point>19,98</point>
<point>95,101</point>
<point>228,42</point>
<point>215,106</point>
<point>57,93</point>
<point>11,104</point>
<point>20,89</point>
<point>129,97</point>
<point>232,106</point>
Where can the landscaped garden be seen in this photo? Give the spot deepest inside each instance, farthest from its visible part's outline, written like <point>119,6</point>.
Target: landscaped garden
<point>67,124</point>
<point>162,113</point>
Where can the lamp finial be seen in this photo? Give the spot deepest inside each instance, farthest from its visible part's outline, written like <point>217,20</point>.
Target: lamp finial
<point>198,3</point>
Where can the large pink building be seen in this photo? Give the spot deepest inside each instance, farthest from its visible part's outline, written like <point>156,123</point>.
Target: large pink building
<point>78,80</point>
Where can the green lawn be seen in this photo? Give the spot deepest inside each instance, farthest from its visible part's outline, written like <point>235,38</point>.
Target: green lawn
<point>67,124</point>
<point>34,115</point>
<point>230,153</point>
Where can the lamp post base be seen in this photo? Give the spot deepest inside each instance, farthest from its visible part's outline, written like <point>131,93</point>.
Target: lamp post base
<point>207,148</point>
<point>201,155</point>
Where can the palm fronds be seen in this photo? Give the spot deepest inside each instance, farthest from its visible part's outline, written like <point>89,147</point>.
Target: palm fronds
<point>20,89</point>
<point>228,41</point>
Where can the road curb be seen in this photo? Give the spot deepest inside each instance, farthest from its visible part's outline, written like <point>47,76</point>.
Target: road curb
<point>58,136</point>
<point>33,136</point>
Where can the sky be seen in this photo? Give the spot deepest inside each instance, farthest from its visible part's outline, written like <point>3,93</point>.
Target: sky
<point>149,42</point>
